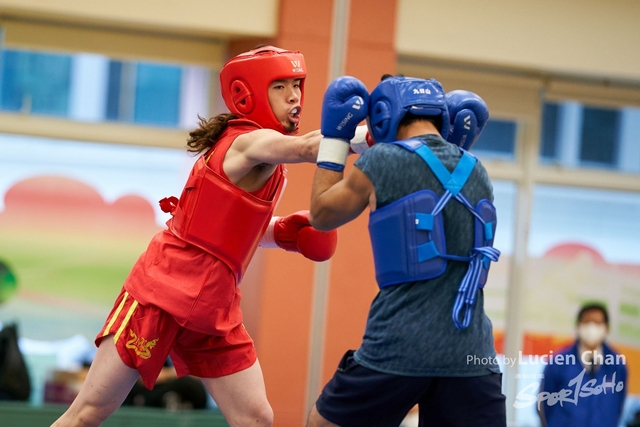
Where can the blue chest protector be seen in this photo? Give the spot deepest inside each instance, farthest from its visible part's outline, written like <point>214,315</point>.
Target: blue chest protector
<point>408,240</point>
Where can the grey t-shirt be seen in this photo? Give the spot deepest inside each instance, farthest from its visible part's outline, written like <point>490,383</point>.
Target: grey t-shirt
<point>410,330</point>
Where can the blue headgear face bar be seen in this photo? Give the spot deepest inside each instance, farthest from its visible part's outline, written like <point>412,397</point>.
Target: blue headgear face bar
<point>394,97</point>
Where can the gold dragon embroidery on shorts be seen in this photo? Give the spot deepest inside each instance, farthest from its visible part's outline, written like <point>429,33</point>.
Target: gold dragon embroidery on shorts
<point>140,345</point>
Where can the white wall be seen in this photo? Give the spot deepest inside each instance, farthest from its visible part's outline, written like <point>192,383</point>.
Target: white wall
<point>195,17</point>
<point>587,38</point>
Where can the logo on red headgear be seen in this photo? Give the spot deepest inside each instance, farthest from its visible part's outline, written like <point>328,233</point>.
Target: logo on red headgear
<point>296,67</point>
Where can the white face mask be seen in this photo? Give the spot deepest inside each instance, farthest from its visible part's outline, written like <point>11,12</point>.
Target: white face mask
<point>592,334</point>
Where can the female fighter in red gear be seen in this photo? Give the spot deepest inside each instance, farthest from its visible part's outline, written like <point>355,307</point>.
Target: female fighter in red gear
<point>182,298</point>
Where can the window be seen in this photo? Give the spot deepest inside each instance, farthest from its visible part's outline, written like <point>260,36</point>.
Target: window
<point>157,98</point>
<point>576,135</point>
<point>599,136</point>
<point>96,88</point>
<point>113,92</point>
<point>498,139</point>
<point>35,82</point>
<point>144,93</point>
<point>549,130</point>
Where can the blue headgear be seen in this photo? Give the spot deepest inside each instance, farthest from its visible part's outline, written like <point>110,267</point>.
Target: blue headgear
<point>394,97</point>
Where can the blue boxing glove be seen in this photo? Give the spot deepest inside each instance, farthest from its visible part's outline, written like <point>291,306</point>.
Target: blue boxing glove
<point>345,105</point>
<point>468,115</point>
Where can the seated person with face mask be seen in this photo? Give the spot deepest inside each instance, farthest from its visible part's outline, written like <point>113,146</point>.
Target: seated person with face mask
<point>596,365</point>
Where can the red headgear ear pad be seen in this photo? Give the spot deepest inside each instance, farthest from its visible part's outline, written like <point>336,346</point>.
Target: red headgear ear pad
<point>242,97</point>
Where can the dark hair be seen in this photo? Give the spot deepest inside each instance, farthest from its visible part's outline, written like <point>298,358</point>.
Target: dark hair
<point>388,76</point>
<point>410,118</point>
<point>593,306</point>
<point>208,132</point>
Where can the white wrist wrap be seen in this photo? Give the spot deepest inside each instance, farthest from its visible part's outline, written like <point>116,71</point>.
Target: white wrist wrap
<point>359,141</point>
<point>268,238</point>
<point>333,150</point>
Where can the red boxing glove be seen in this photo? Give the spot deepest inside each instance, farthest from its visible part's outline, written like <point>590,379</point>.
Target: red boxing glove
<point>294,233</point>
<point>362,141</point>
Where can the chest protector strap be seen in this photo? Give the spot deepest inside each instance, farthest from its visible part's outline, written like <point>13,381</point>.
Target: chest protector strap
<point>408,239</point>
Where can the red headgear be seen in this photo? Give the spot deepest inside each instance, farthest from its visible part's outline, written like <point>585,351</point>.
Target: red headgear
<point>245,80</point>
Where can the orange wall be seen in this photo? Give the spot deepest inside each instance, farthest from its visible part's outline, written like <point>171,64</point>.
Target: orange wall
<point>277,291</point>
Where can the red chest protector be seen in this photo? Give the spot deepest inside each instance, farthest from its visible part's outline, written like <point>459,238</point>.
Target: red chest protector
<point>219,217</point>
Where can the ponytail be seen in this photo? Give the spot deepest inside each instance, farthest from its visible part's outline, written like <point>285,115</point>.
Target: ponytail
<point>208,132</point>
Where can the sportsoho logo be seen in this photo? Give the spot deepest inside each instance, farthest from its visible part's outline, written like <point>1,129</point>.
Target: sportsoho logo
<point>297,67</point>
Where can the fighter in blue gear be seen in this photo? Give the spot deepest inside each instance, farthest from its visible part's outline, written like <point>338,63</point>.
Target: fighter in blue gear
<point>427,339</point>
<point>422,254</point>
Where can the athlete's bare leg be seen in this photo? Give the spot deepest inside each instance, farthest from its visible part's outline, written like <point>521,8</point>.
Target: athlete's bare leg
<point>317,420</point>
<point>108,383</point>
<point>242,398</point>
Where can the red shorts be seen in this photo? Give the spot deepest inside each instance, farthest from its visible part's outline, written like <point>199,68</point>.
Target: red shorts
<point>146,335</point>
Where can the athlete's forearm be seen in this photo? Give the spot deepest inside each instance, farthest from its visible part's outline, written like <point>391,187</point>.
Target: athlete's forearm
<point>322,207</point>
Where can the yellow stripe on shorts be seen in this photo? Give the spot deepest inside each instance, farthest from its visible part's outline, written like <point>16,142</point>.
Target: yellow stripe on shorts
<point>125,321</point>
<point>116,314</point>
